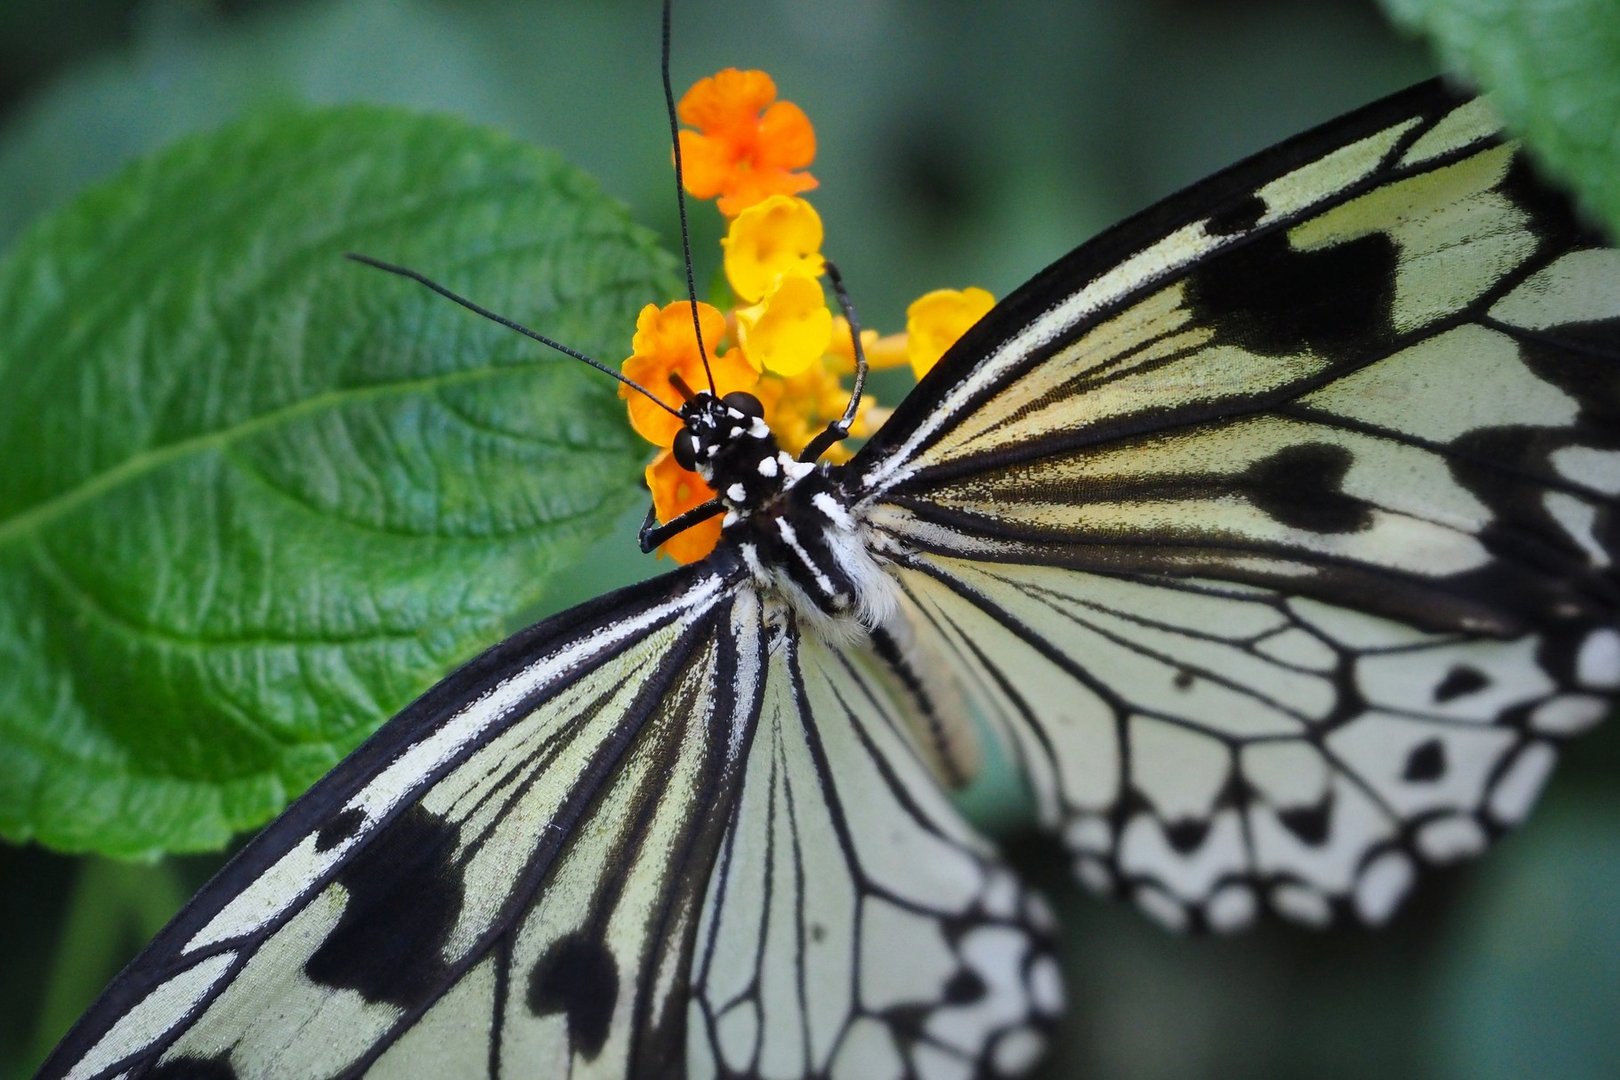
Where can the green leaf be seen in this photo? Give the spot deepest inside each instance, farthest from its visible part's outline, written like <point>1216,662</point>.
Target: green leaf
<point>254,497</point>
<point>1552,68</point>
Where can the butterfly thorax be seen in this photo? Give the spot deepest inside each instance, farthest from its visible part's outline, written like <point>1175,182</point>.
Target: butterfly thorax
<point>790,520</point>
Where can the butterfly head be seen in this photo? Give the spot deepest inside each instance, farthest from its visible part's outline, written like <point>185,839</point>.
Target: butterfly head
<point>726,441</point>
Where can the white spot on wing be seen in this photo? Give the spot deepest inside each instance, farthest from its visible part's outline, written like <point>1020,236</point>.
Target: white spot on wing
<point>1519,785</point>
<point>1046,986</point>
<point>1165,909</point>
<point>997,955</point>
<point>1233,907</point>
<point>1469,122</point>
<point>868,1052</point>
<point>1568,714</point>
<point>1578,287</point>
<point>1094,875</point>
<point>1302,904</point>
<point>1088,832</point>
<point>1382,886</point>
<point>1597,665</point>
<point>1450,838</point>
<point>738,1034</point>
<point>1017,1051</point>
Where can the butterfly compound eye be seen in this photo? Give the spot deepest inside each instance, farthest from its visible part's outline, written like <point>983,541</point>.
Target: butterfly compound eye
<point>685,450</point>
<point>744,402</point>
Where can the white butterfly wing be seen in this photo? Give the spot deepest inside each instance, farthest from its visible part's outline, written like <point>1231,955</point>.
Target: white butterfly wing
<point>855,926</point>
<point>477,882</point>
<point>1275,529</point>
<point>509,880</point>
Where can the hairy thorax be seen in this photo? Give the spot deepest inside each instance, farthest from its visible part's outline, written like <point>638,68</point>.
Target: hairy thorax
<point>810,548</point>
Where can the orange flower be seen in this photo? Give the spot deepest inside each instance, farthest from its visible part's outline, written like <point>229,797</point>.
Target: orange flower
<point>748,145</point>
<point>664,345</point>
<point>675,491</point>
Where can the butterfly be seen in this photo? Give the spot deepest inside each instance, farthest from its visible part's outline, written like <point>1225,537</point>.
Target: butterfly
<point>1270,534</point>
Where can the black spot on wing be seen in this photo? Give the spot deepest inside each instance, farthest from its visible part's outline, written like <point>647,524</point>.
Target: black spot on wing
<point>1302,488</point>
<point>1426,763</point>
<point>405,891</point>
<point>1460,681</point>
<point>1309,823</point>
<point>190,1068</point>
<point>1551,216</point>
<point>1539,573</point>
<point>577,977</point>
<point>964,988</point>
<point>1275,300</point>
<point>1238,218</point>
<point>339,829</point>
<point>1187,835</point>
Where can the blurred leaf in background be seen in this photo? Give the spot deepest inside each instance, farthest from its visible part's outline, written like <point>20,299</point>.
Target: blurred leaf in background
<point>960,143</point>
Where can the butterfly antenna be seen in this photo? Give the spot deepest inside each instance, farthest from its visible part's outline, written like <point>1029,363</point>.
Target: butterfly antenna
<point>479,309</point>
<point>680,200</point>
<point>838,430</point>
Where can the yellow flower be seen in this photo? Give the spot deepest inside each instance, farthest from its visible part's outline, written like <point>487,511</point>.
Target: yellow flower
<point>789,330</point>
<point>748,145</point>
<point>935,320</point>
<point>675,491</point>
<point>664,345</point>
<point>771,240</point>
<point>799,407</point>
<point>888,351</point>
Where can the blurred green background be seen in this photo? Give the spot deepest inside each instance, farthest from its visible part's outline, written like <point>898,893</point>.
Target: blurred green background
<point>961,143</point>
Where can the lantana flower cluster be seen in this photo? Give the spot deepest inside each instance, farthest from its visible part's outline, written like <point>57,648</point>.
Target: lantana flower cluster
<point>780,340</point>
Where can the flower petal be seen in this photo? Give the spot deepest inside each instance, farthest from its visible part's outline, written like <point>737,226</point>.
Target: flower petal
<point>935,320</point>
<point>675,491</point>
<point>776,237</point>
<point>665,345</point>
<point>790,329</point>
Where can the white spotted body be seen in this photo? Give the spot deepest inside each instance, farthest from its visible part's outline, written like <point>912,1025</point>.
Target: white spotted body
<point>792,523</point>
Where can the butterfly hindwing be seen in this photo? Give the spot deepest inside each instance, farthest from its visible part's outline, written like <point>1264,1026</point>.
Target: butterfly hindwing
<point>855,925</point>
<point>1284,559</point>
<point>1208,748</point>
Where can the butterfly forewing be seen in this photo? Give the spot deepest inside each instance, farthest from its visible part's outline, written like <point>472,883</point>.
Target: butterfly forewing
<point>536,809</point>
<point>1284,567</point>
